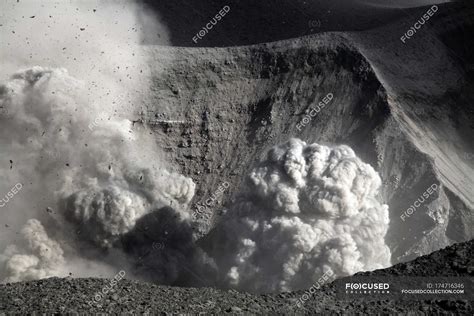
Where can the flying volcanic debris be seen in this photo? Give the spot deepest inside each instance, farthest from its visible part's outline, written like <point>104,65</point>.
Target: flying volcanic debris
<point>76,153</point>
<point>49,113</point>
<point>113,202</point>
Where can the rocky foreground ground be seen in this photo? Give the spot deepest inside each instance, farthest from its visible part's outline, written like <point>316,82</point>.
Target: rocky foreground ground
<point>57,295</point>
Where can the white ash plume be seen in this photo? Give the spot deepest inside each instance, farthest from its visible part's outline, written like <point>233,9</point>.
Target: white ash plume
<point>107,213</point>
<point>85,167</point>
<point>39,256</point>
<point>86,170</point>
<point>304,210</point>
<point>104,180</point>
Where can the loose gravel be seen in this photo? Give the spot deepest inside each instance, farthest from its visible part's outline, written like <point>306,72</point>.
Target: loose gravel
<point>76,296</point>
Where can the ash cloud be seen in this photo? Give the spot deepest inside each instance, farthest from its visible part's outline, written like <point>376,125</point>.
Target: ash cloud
<point>306,209</point>
<point>102,181</point>
<point>163,249</point>
<point>38,257</point>
<point>87,173</point>
<point>98,197</point>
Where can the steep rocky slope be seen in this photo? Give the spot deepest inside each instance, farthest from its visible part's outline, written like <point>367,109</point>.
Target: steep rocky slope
<point>57,295</point>
<point>405,108</point>
<point>429,85</point>
<point>223,108</point>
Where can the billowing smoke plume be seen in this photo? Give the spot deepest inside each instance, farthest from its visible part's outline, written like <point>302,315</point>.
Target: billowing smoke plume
<point>101,179</point>
<point>305,210</point>
<point>85,191</point>
<point>40,257</point>
<point>86,173</point>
